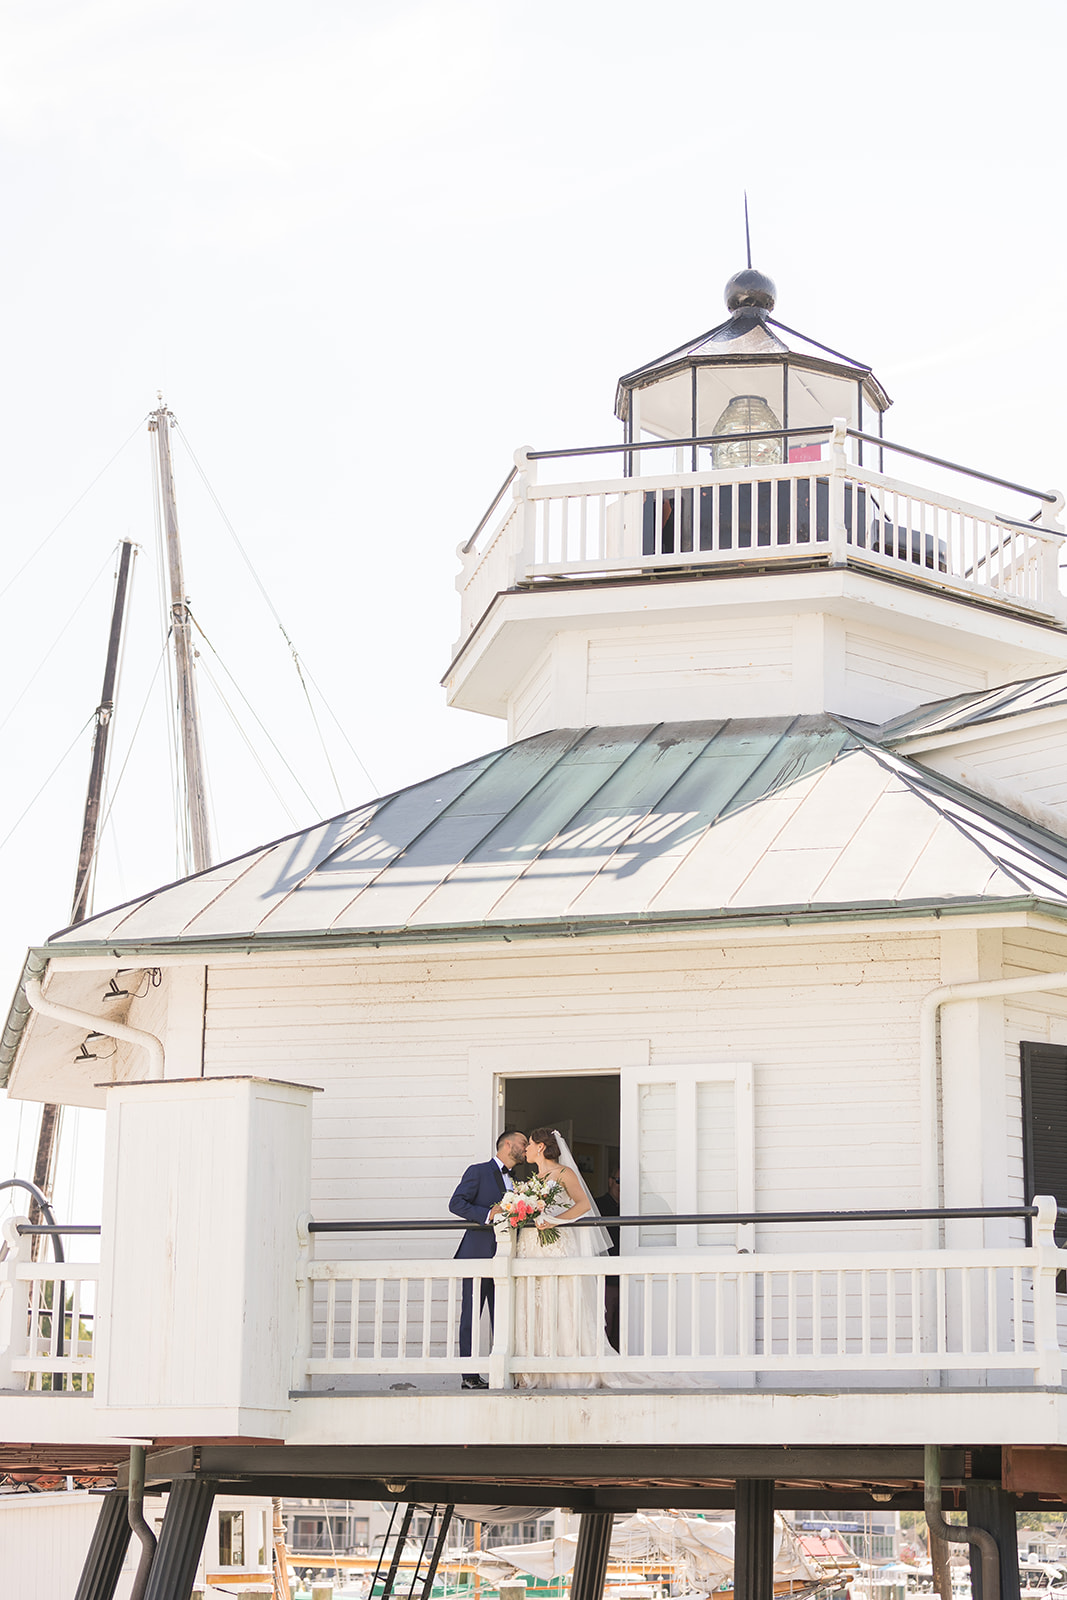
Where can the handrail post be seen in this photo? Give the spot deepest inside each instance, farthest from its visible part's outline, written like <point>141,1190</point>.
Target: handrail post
<point>524,545</point>
<point>504,1308</point>
<point>838,473</point>
<point>302,1348</point>
<point>14,1302</point>
<point>1048,1369</point>
<point>1052,597</point>
<point>1050,513</point>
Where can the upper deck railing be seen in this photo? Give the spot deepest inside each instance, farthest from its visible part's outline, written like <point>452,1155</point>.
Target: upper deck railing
<point>811,1319</point>
<point>826,504</point>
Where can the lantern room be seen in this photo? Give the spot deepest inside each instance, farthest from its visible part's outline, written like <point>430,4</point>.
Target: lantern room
<point>754,378</point>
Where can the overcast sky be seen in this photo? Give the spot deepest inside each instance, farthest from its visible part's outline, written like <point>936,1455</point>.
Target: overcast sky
<point>365,250</point>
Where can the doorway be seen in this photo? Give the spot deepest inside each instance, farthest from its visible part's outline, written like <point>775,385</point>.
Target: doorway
<point>585,1109</point>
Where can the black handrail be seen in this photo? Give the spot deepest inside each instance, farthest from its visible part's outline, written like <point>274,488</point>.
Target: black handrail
<point>508,481</point>
<point>685,1219</point>
<point>714,1218</point>
<point>784,433</point>
<point>937,461</point>
<point>678,444</point>
<point>57,1228</point>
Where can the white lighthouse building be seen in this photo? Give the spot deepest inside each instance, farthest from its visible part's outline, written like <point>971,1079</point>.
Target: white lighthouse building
<point>763,902</point>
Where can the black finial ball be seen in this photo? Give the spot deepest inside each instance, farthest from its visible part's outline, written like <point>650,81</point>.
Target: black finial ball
<point>750,288</point>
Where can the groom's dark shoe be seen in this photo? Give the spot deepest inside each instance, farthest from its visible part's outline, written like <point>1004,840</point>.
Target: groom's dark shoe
<point>474,1380</point>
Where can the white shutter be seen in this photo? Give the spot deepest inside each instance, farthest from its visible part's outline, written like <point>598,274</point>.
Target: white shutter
<point>687,1146</point>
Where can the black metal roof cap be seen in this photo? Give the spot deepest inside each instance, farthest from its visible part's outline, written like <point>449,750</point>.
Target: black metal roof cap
<point>750,298</point>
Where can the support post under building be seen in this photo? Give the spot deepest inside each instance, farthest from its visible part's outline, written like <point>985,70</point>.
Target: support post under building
<point>107,1549</point>
<point>991,1507</point>
<point>182,1537</point>
<point>754,1539</point>
<point>591,1556</point>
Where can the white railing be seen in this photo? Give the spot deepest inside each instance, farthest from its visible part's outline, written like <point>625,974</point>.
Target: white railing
<point>831,510</point>
<point>962,1312</point>
<point>41,1346</point>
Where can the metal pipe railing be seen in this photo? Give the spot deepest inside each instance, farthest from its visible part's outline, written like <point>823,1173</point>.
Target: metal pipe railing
<point>785,433</point>
<point>54,1229</point>
<point>504,487</point>
<point>714,1218</point>
<point>658,1219</point>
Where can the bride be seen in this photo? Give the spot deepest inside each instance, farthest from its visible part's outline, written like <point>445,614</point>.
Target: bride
<point>559,1315</point>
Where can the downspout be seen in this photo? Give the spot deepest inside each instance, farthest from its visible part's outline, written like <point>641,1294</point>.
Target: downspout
<point>111,1030</point>
<point>994,988</point>
<point>135,1516</point>
<point>958,1533</point>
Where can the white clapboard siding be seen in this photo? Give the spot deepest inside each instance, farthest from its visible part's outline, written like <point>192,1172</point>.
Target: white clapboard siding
<point>897,673</point>
<point>529,706</point>
<point>829,1023</point>
<point>1028,765</point>
<point>752,650</point>
<point>699,669</point>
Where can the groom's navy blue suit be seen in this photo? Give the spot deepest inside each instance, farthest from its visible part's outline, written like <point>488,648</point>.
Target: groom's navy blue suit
<point>477,1192</point>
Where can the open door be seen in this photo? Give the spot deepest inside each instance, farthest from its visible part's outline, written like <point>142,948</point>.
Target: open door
<point>583,1106</point>
<point>686,1138</point>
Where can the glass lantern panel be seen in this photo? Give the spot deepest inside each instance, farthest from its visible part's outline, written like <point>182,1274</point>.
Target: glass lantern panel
<point>815,399</point>
<point>664,410</point>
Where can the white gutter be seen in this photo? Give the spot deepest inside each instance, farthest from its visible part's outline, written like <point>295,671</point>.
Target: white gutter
<point>111,1030</point>
<point>1036,983</point>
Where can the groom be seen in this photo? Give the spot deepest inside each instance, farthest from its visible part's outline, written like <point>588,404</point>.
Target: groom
<point>476,1200</point>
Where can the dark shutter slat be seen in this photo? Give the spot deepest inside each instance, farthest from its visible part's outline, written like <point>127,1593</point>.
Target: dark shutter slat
<point>1044,1096</point>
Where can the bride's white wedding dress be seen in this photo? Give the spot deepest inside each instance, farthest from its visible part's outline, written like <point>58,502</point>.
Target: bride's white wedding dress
<point>556,1315</point>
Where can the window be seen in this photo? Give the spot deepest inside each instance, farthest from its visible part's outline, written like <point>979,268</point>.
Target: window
<point>231,1538</point>
<point>1044,1097</point>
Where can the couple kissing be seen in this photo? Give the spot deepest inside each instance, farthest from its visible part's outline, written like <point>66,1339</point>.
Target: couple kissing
<point>555,1196</point>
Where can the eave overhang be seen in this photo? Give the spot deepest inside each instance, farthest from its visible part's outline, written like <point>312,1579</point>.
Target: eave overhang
<point>102,955</point>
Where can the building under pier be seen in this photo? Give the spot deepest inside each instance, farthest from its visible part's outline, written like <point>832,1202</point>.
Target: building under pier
<point>764,903</point>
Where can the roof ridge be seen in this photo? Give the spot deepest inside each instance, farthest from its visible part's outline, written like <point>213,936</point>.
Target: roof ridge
<point>926,785</point>
<point>951,705</point>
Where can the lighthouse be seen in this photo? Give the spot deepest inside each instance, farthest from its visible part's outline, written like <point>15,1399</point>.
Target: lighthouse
<point>762,900</point>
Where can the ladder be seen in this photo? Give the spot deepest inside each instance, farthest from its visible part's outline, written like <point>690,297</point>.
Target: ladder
<point>437,1525</point>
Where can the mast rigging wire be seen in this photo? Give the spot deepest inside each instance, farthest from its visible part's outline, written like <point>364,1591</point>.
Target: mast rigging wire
<point>298,662</point>
<point>71,508</point>
<point>210,676</point>
<point>14,827</point>
<point>266,733</point>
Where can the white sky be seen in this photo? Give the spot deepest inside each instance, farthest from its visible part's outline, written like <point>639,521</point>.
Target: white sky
<point>368,249</point>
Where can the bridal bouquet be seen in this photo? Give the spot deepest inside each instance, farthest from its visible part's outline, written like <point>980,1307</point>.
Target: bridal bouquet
<point>529,1200</point>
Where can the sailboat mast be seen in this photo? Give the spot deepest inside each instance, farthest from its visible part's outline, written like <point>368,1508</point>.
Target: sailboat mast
<point>48,1133</point>
<point>80,906</point>
<point>199,852</point>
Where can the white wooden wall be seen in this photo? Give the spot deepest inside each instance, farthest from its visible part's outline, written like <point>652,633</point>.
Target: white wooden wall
<point>1023,765</point>
<point>736,666</point>
<point>529,708</point>
<point>888,673</point>
<point>404,1046</point>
